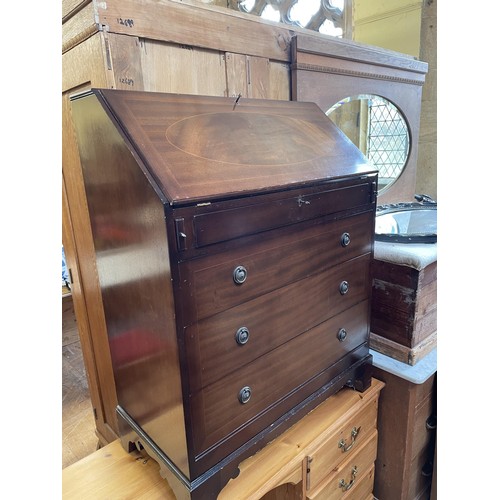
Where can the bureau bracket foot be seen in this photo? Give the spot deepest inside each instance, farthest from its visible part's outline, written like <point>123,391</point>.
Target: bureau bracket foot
<point>362,376</point>
<point>205,487</point>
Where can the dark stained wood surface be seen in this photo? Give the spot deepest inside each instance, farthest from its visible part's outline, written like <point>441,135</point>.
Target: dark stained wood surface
<point>199,148</point>
<point>133,264</point>
<point>275,260</point>
<point>210,428</point>
<point>404,306</point>
<point>216,354</point>
<point>225,225</point>
<point>177,386</point>
<point>276,374</point>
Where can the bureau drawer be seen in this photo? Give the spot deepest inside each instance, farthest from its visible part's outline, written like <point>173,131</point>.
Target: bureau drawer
<point>275,318</point>
<point>345,443</point>
<point>349,475</point>
<point>281,258</point>
<point>219,226</point>
<point>216,352</point>
<point>221,408</point>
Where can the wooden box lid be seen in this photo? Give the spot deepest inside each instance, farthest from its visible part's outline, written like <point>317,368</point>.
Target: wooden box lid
<point>200,148</point>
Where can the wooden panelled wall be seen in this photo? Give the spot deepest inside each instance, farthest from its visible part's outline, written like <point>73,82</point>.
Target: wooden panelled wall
<point>166,46</point>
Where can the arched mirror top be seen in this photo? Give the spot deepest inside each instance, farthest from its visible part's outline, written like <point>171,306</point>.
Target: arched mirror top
<point>379,130</point>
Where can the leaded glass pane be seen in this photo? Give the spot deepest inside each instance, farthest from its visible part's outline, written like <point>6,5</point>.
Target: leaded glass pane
<point>325,16</point>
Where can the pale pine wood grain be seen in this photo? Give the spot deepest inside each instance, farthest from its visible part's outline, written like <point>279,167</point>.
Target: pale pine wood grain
<point>113,474</point>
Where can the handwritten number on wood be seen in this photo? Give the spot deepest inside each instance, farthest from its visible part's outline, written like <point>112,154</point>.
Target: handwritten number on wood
<point>125,22</point>
<point>127,81</point>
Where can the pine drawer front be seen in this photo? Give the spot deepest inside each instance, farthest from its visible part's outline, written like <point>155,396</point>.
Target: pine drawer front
<point>341,446</point>
<point>216,347</point>
<point>364,488</point>
<point>277,259</point>
<point>345,479</point>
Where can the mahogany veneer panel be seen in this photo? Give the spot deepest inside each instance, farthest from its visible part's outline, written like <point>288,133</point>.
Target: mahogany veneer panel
<point>226,148</point>
<point>210,216</point>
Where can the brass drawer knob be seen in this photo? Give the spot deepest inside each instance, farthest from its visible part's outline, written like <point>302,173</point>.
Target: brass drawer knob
<point>240,275</point>
<point>343,287</point>
<point>242,335</point>
<point>245,395</point>
<point>345,239</point>
<point>347,486</point>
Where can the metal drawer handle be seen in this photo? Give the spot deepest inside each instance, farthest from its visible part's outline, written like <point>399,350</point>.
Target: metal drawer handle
<point>242,335</point>
<point>343,287</point>
<point>343,444</point>
<point>431,423</point>
<point>427,469</point>
<point>240,275</point>
<point>345,239</point>
<point>245,395</point>
<point>342,334</point>
<point>347,486</point>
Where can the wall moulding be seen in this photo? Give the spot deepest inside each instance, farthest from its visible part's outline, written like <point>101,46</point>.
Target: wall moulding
<point>359,74</point>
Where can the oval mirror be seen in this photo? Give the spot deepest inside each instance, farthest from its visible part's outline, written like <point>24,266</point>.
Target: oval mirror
<point>407,222</point>
<point>378,129</point>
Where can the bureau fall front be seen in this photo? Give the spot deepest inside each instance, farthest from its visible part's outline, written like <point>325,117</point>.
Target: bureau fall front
<point>234,241</point>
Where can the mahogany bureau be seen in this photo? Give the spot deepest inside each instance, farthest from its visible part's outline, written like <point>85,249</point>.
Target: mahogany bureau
<point>234,241</point>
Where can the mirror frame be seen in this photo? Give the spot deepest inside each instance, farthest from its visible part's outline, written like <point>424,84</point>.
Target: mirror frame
<point>364,97</point>
<point>328,70</point>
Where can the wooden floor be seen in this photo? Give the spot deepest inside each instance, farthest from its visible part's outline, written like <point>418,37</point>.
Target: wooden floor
<point>78,428</point>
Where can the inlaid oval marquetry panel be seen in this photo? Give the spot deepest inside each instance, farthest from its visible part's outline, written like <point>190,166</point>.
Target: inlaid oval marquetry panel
<point>231,138</point>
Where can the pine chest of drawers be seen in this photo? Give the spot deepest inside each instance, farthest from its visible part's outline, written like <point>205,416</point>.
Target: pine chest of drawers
<point>234,241</point>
